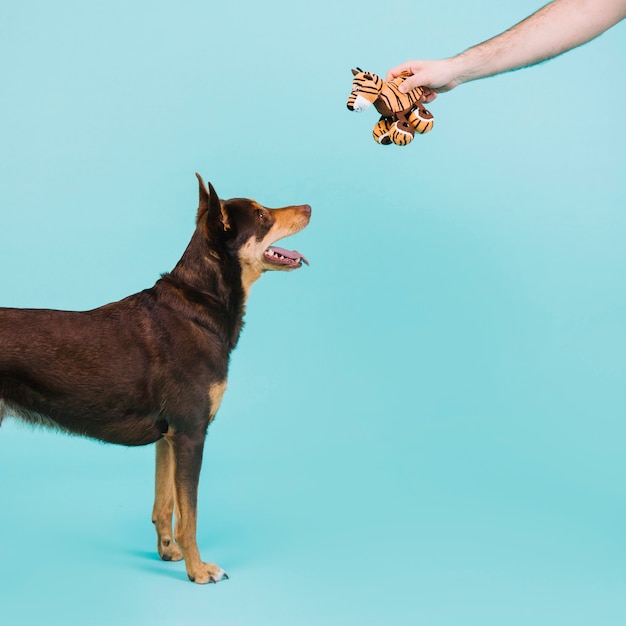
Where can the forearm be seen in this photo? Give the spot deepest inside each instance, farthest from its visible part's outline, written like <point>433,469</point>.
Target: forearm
<point>554,29</point>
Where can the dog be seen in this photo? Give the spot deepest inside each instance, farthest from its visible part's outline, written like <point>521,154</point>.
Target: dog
<point>152,368</point>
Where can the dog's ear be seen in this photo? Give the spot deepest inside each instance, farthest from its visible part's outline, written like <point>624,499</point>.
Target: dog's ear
<point>203,204</point>
<point>210,204</point>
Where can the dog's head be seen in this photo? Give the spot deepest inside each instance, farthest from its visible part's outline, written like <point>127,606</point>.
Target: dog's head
<point>249,230</point>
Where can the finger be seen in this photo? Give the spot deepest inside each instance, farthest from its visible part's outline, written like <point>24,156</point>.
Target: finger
<point>394,72</point>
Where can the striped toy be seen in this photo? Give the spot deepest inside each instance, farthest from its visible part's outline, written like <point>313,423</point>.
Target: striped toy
<point>402,114</point>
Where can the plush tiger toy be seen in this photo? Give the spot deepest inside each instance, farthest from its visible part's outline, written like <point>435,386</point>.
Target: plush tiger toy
<point>402,114</point>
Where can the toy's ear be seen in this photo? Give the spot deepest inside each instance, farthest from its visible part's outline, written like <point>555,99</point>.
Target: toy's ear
<point>354,72</point>
<point>210,204</point>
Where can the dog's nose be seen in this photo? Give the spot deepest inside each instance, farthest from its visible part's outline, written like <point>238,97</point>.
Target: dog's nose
<point>306,208</point>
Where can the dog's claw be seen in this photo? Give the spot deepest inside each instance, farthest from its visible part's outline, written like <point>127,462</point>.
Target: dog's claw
<point>215,580</point>
<point>211,575</point>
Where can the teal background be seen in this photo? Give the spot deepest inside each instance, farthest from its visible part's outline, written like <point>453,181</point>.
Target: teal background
<point>425,427</point>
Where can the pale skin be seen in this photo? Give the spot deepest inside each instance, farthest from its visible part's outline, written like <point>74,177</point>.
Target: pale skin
<point>554,29</point>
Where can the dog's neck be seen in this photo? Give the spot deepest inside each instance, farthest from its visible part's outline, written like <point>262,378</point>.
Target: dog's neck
<point>249,275</point>
<point>212,282</point>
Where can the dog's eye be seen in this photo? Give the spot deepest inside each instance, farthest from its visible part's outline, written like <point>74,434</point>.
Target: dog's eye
<point>261,215</point>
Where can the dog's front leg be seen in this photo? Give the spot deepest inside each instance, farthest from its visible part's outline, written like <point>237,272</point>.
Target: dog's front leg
<point>187,462</point>
<point>164,502</point>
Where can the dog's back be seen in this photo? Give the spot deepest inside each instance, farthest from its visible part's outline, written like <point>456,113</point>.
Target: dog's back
<point>109,373</point>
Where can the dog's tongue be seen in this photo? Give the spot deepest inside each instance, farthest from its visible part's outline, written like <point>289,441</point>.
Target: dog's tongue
<point>294,255</point>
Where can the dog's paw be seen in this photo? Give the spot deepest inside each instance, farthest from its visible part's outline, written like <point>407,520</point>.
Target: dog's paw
<point>207,573</point>
<point>169,551</point>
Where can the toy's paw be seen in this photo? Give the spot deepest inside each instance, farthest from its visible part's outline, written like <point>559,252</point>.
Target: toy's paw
<point>381,132</point>
<point>422,120</point>
<point>401,133</point>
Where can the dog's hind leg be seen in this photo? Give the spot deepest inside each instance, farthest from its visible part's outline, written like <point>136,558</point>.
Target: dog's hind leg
<point>187,462</point>
<point>164,499</point>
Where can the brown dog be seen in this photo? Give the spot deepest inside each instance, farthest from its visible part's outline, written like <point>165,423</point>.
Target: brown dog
<point>152,367</point>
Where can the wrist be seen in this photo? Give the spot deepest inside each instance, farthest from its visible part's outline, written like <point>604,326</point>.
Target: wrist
<point>464,67</point>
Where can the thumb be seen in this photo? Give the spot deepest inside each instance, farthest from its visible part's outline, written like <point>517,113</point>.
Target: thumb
<point>410,83</point>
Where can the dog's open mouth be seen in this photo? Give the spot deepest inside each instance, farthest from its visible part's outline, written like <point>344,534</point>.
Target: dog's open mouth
<point>286,258</point>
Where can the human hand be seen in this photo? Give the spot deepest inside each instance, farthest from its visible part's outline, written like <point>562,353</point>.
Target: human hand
<point>436,76</point>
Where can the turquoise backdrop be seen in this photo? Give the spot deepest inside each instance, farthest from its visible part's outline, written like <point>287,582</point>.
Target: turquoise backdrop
<point>425,427</point>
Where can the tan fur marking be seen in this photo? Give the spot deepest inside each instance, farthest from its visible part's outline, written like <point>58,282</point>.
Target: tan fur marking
<point>249,276</point>
<point>288,221</point>
<point>185,533</point>
<point>164,500</point>
<point>250,255</point>
<point>216,392</point>
<point>225,220</point>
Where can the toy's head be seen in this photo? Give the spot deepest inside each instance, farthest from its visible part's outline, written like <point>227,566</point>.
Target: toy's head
<point>365,90</point>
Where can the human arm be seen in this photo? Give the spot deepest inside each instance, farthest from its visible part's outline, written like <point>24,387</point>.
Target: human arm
<point>554,29</point>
